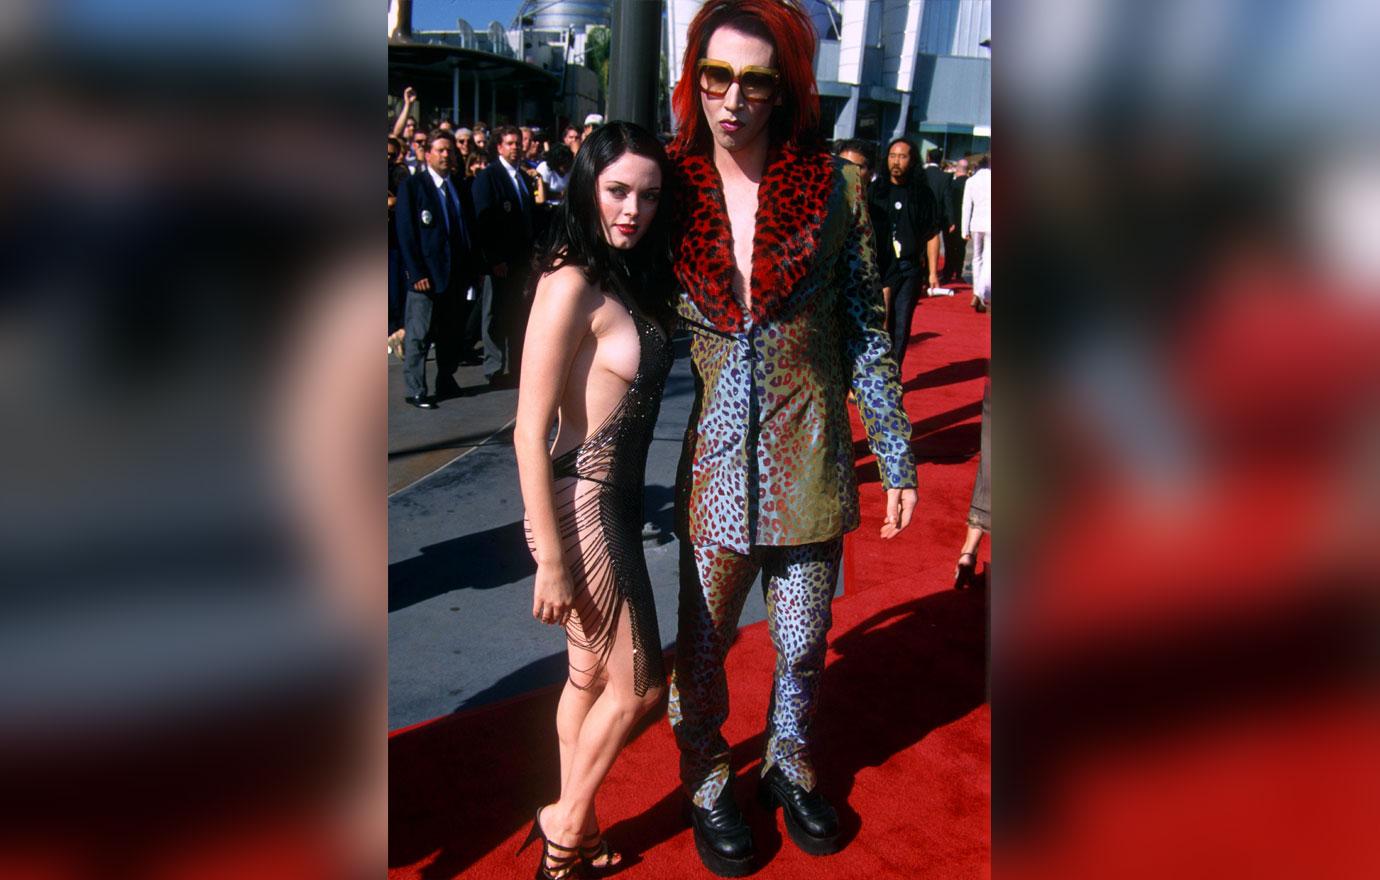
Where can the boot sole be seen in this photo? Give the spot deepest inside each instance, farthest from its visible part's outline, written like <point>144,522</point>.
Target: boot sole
<point>808,843</point>
<point>715,863</point>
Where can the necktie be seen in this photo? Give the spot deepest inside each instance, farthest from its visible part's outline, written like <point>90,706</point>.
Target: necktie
<point>457,225</point>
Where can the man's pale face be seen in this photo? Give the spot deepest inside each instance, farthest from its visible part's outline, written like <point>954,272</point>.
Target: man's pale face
<point>735,122</point>
<point>508,148</point>
<point>463,144</point>
<point>440,155</point>
<point>962,169</point>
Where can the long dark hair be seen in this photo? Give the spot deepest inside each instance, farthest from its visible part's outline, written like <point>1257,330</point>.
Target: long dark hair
<point>642,275</point>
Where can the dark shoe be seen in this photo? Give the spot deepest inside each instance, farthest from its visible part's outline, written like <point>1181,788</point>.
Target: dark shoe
<point>557,861</point>
<point>722,838</point>
<point>598,857</point>
<point>810,820</point>
<point>978,304</point>
<point>420,402</point>
<point>965,572</point>
<point>501,380</point>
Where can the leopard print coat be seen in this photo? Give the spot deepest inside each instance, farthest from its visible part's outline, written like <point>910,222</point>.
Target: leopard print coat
<point>768,457</point>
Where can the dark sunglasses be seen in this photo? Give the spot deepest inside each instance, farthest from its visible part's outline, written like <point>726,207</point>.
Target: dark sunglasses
<point>755,83</point>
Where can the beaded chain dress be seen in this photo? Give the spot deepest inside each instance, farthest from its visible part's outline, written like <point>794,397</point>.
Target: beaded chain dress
<point>598,489</point>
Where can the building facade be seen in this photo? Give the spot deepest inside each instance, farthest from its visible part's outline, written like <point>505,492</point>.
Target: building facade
<point>888,68</point>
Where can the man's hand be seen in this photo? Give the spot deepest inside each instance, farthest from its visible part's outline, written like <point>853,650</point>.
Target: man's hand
<point>900,504</point>
<point>500,270</point>
<point>422,285</point>
<point>409,95</point>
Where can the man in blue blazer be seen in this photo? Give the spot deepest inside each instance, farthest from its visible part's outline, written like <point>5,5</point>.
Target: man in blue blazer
<point>435,225</point>
<point>503,202</point>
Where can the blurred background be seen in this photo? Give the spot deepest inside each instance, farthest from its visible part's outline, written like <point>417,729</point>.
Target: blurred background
<point>1188,447</point>
<point>1187,365</point>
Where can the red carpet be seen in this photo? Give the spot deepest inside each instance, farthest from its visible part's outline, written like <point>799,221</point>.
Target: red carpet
<point>903,733</point>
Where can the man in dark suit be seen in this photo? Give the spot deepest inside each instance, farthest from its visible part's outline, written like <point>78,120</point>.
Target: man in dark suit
<point>954,245</point>
<point>504,206</point>
<point>435,226</point>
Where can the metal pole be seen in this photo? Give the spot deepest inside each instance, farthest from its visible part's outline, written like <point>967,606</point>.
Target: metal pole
<point>634,63</point>
<point>455,92</point>
<point>475,121</point>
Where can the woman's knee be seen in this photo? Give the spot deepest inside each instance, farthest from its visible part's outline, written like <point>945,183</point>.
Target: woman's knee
<point>654,697</point>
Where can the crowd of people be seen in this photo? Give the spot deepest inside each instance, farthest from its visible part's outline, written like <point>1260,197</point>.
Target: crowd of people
<point>924,217</point>
<point>466,207</point>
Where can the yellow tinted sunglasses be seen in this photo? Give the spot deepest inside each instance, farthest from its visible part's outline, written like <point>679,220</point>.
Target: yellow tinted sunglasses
<point>755,83</point>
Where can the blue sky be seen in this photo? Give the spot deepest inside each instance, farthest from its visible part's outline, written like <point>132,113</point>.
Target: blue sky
<point>441,14</point>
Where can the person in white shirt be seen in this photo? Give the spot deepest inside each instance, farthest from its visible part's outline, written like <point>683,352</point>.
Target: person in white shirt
<point>554,171</point>
<point>977,225</point>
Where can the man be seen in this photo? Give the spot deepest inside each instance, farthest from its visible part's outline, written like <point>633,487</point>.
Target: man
<point>503,202</point>
<point>435,223</point>
<point>592,121</point>
<point>938,182</point>
<point>977,224</point>
<point>571,138</point>
<point>954,245</point>
<point>464,145</point>
<point>860,154</point>
<point>555,173</point>
<point>774,255</point>
<point>907,224</point>
<point>416,157</point>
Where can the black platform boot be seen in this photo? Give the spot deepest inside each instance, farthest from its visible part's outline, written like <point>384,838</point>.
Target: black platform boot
<point>722,838</point>
<point>811,822</point>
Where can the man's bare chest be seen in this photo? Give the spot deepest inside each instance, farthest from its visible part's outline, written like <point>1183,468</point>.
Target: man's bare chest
<point>741,206</point>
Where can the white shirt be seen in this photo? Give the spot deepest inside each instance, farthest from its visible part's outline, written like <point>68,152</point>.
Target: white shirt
<point>977,203</point>
<point>555,183</point>
<point>441,191</point>
<point>513,173</point>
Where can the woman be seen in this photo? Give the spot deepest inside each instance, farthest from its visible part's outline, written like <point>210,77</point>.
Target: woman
<point>476,163</point>
<point>596,362</point>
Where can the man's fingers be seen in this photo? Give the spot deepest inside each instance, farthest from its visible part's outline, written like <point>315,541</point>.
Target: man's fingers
<point>907,508</point>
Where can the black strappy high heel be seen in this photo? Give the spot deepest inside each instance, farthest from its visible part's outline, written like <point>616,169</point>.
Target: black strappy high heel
<point>562,859</point>
<point>599,849</point>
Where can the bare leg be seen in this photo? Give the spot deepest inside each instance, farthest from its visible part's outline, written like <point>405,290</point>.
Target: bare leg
<point>570,717</point>
<point>601,736</point>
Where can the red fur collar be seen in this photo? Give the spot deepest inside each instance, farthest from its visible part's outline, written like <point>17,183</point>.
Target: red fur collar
<point>792,202</point>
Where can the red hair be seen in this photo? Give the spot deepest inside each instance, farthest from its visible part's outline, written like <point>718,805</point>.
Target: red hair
<point>792,35</point>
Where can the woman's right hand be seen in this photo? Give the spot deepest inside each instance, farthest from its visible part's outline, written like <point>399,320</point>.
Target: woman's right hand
<point>552,594</point>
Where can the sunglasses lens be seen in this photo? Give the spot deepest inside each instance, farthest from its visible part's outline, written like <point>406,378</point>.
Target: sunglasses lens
<point>715,79</point>
<point>757,86</point>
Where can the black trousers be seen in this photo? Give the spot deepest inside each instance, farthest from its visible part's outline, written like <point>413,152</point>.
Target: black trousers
<point>954,252</point>
<point>905,296</point>
<point>504,322</point>
<point>430,320</point>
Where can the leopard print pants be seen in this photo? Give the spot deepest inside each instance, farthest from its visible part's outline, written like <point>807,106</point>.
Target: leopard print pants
<point>799,584</point>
